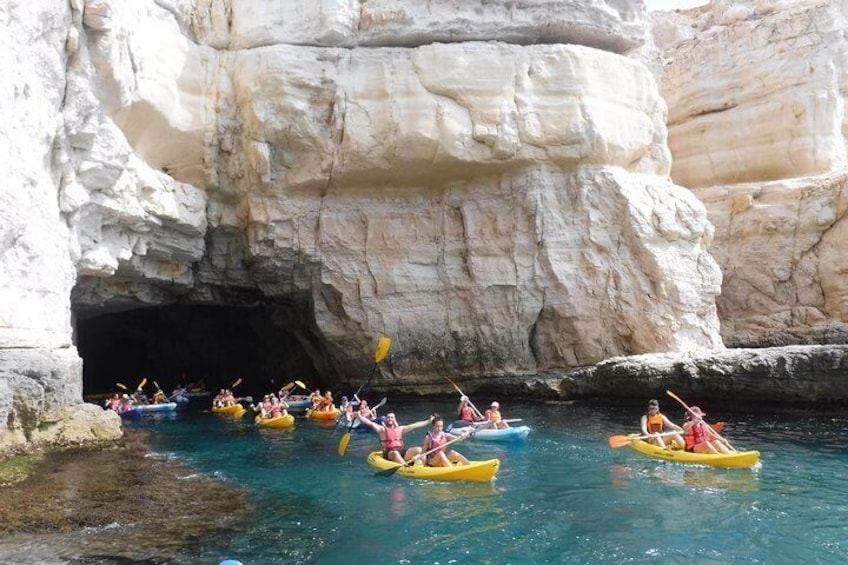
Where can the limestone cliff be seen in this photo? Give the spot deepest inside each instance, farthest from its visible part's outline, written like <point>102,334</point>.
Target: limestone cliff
<point>486,182</point>
<point>756,97</point>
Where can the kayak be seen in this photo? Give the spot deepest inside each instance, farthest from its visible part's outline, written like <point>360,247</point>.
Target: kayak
<point>518,433</point>
<point>286,421</point>
<point>161,407</point>
<point>477,471</point>
<point>298,405</point>
<point>739,459</point>
<point>235,410</point>
<point>323,415</point>
<point>141,409</point>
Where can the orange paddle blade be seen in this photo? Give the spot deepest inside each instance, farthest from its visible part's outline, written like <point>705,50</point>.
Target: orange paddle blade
<point>288,386</point>
<point>718,426</point>
<point>619,441</point>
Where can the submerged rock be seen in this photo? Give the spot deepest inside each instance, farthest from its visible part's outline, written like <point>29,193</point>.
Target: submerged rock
<point>119,503</point>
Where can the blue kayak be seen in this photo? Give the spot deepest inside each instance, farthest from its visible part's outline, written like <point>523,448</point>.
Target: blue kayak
<point>137,411</point>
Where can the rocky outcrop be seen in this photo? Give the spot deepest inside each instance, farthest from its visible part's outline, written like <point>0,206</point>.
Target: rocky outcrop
<point>486,184</point>
<point>756,126</point>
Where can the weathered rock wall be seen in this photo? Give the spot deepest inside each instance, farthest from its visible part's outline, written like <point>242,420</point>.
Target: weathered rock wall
<point>757,130</point>
<point>487,185</point>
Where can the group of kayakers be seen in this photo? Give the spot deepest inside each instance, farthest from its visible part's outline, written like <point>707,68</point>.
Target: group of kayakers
<point>693,435</point>
<point>121,403</point>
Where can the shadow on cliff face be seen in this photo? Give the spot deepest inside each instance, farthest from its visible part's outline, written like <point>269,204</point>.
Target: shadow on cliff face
<point>113,505</point>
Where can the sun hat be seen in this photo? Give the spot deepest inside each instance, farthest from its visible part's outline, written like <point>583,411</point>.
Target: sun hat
<point>495,404</point>
<point>464,399</point>
<point>697,411</point>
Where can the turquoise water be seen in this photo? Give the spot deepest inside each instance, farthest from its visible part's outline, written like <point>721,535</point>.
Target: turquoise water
<point>563,496</point>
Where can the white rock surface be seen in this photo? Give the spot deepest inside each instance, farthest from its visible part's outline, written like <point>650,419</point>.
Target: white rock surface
<point>756,127</point>
<point>450,173</point>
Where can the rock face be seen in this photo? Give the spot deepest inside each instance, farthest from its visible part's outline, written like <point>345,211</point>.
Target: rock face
<point>487,183</point>
<point>756,126</point>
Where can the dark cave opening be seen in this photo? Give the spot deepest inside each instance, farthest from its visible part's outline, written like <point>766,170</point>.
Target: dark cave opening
<point>181,344</point>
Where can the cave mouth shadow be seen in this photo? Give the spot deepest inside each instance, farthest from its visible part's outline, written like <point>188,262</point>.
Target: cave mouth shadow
<point>181,344</point>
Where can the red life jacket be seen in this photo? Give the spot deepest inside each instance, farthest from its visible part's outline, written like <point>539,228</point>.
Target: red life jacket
<point>466,414</point>
<point>436,444</point>
<point>394,439</point>
<point>697,433</point>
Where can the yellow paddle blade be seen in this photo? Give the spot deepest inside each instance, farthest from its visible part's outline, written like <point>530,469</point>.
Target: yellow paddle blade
<point>301,385</point>
<point>343,443</point>
<point>142,383</point>
<point>235,384</point>
<point>120,385</point>
<point>383,346</point>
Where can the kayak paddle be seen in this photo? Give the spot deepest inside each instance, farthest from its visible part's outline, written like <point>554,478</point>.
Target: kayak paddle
<point>620,441</point>
<point>121,386</point>
<point>235,384</point>
<point>695,415</point>
<point>380,353</point>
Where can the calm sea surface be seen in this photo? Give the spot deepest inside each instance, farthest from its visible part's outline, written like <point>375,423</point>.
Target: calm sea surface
<point>562,496</point>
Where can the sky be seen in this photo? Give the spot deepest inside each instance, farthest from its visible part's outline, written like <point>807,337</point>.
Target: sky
<point>673,4</point>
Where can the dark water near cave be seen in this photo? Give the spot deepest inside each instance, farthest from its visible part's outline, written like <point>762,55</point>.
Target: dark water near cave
<point>563,496</point>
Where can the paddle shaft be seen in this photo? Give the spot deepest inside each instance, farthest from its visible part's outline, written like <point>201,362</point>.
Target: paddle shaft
<point>383,345</point>
<point>697,417</point>
<point>621,441</point>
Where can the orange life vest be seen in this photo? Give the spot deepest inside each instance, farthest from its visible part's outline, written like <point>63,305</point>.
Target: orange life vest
<point>655,423</point>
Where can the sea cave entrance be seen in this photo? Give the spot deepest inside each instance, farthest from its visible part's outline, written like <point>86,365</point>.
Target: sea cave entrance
<point>181,344</point>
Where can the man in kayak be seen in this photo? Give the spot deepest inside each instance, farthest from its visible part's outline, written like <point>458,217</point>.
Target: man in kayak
<point>391,437</point>
<point>436,440</point>
<point>699,436</point>
<point>653,422</point>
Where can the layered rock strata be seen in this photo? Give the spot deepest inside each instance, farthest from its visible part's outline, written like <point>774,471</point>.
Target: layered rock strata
<point>757,129</point>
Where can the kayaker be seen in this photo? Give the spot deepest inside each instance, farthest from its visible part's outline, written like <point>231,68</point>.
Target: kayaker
<point>159,397</point>
<point>493,415</point>
<point>218,401</point>
<point>346,417</point>
<point>125,405</point>
<point>466,412</point>
<point>327,402</point>
<point>139,397</point>
<point>436,439</point>
<point>699,436</point>
<point>653,422</point>
<point>114,402</point>
<point>391,437</point>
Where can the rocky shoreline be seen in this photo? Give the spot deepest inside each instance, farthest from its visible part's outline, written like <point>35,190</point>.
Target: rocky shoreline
<point>799,375</point>
<point>120,503</point>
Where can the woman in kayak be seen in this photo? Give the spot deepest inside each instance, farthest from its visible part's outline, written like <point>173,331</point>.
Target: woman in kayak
<point>466,412</point>
<point>653,423</point>
<point>493,415</point>
<point>699,436</point>
<point>436,439</point>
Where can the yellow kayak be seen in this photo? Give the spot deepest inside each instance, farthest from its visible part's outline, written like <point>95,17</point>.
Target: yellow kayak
<point>323,415</point>
<point>286,421</point>
<point>478,471</point>
<point>235,410</point>
<point>739,459</point>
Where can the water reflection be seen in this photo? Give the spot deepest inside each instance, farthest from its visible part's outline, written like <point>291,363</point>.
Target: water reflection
<point>732,480</point>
